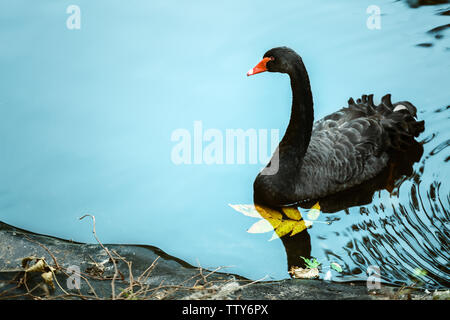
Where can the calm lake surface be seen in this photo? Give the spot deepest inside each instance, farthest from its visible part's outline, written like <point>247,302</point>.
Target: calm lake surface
<point>87,118</point>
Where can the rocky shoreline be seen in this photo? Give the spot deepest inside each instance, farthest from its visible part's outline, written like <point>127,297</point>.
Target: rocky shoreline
<point>34,266</point>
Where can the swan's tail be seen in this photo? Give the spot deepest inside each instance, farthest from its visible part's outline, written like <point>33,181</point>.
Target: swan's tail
<point>398,120</point>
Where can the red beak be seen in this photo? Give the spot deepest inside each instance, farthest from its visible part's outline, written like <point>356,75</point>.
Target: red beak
<point>260,67</point>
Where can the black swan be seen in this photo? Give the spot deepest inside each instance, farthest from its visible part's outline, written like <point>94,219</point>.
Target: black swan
<point>340,151</point>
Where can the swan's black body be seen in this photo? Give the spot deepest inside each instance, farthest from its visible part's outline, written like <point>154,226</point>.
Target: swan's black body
<point>338,152</point>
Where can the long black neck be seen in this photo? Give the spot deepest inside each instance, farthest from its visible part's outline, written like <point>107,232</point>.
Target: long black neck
<point>278,187</point>
<point>295,142</point>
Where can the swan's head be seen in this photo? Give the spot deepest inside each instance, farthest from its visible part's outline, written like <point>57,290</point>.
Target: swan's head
<point>281,59</point>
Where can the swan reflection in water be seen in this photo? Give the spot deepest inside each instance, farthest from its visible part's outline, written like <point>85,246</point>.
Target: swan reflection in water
<point>399,168</point>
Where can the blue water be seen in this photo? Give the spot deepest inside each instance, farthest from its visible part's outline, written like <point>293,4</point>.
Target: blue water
<point>86,118</point>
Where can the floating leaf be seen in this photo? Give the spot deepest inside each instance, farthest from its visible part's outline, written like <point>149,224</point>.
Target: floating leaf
<point>311,263</point>
<point>246,209</point>
<point>274,222</point>
<point>267,212</point>
<point>313,215</point>
<point>336,267</point>
<point>260,226</point>
<point>285,227</point>
<point>274,236</point>
<point>314,212</point>
<point>308,223</point>
<point>299,227</point>
<point>256,211</point>
<point>272,219</point>
<point>292,213</point>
